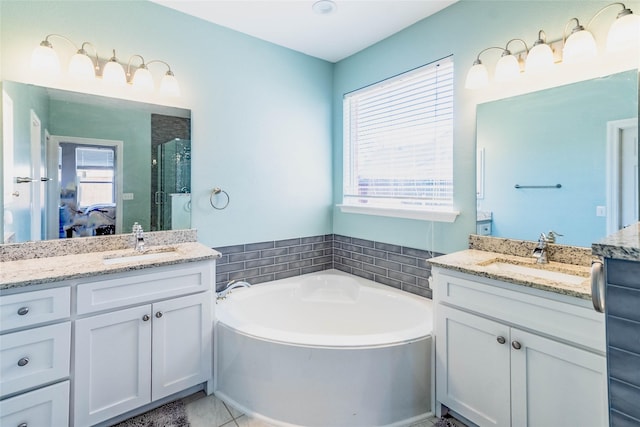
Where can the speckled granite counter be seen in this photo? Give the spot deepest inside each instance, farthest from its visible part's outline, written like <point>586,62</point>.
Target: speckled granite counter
<point>36,263</point>
<point>624,244</point>
<point>575,262</point>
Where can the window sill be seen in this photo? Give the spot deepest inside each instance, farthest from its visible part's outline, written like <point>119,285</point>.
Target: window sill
<point>438,216</point>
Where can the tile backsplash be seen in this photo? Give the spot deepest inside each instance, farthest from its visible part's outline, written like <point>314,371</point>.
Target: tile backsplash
<point>398,266</point>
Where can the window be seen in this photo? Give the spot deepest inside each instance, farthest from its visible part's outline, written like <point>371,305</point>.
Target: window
<point>398,145</point>
<point>95,175</point>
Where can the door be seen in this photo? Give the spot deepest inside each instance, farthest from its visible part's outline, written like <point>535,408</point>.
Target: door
<point>112,364</point>
<point>622,174</point>
<point>182,343</point>
<point>554,384</point>
<point>472,366</point>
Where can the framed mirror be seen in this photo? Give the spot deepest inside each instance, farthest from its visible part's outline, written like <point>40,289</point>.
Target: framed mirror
<point>84,165</point>
<point>562,159</point>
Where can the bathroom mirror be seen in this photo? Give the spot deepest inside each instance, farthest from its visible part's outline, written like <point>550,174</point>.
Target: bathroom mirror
<point>562,159</point>
<point>83,165</point>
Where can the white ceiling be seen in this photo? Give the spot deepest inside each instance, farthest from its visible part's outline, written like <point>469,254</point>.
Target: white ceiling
<point>355,24</point>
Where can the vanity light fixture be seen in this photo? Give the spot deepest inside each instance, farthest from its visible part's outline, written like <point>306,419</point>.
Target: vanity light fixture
<point>44,60</point>
<point>324,7</point>
<point>579,45</point>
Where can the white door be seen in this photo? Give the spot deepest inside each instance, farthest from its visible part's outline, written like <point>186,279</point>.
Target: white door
<point>182,343</point>
<point>472,367</point>
<point>554,384</point>
<point>112,364</point>
<point>37,193</point>
<point>629,176</point>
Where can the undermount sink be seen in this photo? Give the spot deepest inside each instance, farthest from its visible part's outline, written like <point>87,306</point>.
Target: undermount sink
<point>140,256</point>
<point>541,271</point>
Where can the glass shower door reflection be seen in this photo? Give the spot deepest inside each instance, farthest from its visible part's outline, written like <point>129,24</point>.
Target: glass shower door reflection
<point>172,185</point>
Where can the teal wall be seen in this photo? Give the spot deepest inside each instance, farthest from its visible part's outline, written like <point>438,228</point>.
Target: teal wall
<point>133,128</point>
<point>267,121</point>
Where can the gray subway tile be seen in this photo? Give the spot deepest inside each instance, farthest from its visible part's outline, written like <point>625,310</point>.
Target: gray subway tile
<point>351,248</point>
<point>262,279</point>
<point>417,253</point>
<point>624,398</point>
<point>389,248</point>
<point>403,259</point>
<point>389,282</point>
<point>224,259</point>
<point>258,246</point>
<point>404,278</point>
<point>375,270</point>
<point>376,253</point>
<point>342,267</point>
<point>363,242</point>
<point>329,237</point>
<point>364,274</point>
<point>258,263</point>
<point>322,260</point>
<point>273,252</point>
<point>312,269</point>
<point>226,268</point>
<point>244,256</point>
<point>288,242</point>
<point>287,274</point>
<point>342,253</point>
<point>323,245</point>
<point>342,239</point>
<point>311,254</point>
<point>352,263</point>
<point>244,274</point>
<point>420,272</point>
<point>396,266</point>
<point>418,290</point>
<point>312,239</point>
<point>328,251</point>
<point>300,248</point>
<point>301,264</point>
<point>364,258</point>
<point>234,249</point>
<point>273,268</point>
<point>287,258</point>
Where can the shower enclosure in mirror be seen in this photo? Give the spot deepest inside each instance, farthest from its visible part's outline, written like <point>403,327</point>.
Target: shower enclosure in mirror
<point>562,159</point>
<point>82,165</point>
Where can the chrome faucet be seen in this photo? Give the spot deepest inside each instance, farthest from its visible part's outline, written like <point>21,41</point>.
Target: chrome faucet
<point>540,251</point>
<point>138,236</point>
<point>230,286</point>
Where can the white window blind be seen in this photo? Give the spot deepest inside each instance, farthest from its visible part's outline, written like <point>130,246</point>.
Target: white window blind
<point>398,141</point>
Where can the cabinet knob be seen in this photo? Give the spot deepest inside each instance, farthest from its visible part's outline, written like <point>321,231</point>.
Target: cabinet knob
<point>516,345</point>
<point>501,340</point>
<point>23,425</point>
<point>22,311</point>
<point>145,318</point>
<point>159,314</point>
<point>23,361</point>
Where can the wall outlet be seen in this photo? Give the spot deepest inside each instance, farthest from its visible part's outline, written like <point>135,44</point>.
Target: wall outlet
<point>127,196</point>
<point>601,211</point>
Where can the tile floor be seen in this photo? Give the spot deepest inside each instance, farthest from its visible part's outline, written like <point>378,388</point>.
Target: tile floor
<point>208,411</point>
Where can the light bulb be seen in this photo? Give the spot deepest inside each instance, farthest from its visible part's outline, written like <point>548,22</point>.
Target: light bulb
<point>477,77</point>
<point>169,85</point>
<point>539,59</point>
<point>113,73</point>
<point>81,67</point>
<point>142,79</point>
<point>507,68</point>
<point>580,46</point>
<point>624,32</point>
<point>44,60</point>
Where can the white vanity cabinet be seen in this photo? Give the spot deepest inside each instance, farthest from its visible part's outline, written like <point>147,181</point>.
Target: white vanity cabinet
<point>508,357</point>
<point>35,337</point>
<point>129,356</point>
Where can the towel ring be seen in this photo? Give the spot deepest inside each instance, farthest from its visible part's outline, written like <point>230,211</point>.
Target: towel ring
<point>215,192</point>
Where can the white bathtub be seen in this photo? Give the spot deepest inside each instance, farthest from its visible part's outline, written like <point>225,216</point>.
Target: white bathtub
<point>325,349</point>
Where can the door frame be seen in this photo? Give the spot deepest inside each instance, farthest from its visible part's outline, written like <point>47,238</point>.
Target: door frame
<point>614,149</point>
<point>53,221</point>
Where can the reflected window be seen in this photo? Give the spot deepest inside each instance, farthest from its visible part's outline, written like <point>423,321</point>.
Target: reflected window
<point>96,175</point>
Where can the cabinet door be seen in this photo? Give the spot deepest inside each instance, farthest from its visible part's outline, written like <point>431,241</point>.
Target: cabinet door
<point>472,366</point>
<point>112,364</point>
<point>555,384</point>
<point>182,343</point>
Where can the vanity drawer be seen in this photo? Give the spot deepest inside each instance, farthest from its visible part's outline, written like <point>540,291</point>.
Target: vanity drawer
<point>133,288</point>
<point>45,407</point>
<point>34,357</point>
<point>575,324</point>
<point>33,308</point>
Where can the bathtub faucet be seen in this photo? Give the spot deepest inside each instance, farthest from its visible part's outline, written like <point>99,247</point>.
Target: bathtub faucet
<point>230,286</point>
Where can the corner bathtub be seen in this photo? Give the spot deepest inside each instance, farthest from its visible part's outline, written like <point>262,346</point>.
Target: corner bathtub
<point>325,349</point>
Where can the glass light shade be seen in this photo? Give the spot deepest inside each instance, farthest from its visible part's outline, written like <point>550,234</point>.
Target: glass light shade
<point>477,77</point>
<point>169,85</point>
<point>113,73</point>
<point>539,59</point>
<point>507,69</point>
<point>81,67</point>
<point>45,60</point>
<point>624,33</point>
<point>143,80</point>
<point>580,46</point>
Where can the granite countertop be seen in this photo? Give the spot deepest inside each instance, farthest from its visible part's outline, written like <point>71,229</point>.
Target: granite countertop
<point>624,244</point>
<point>478,263</point>
<point>34,271</point>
